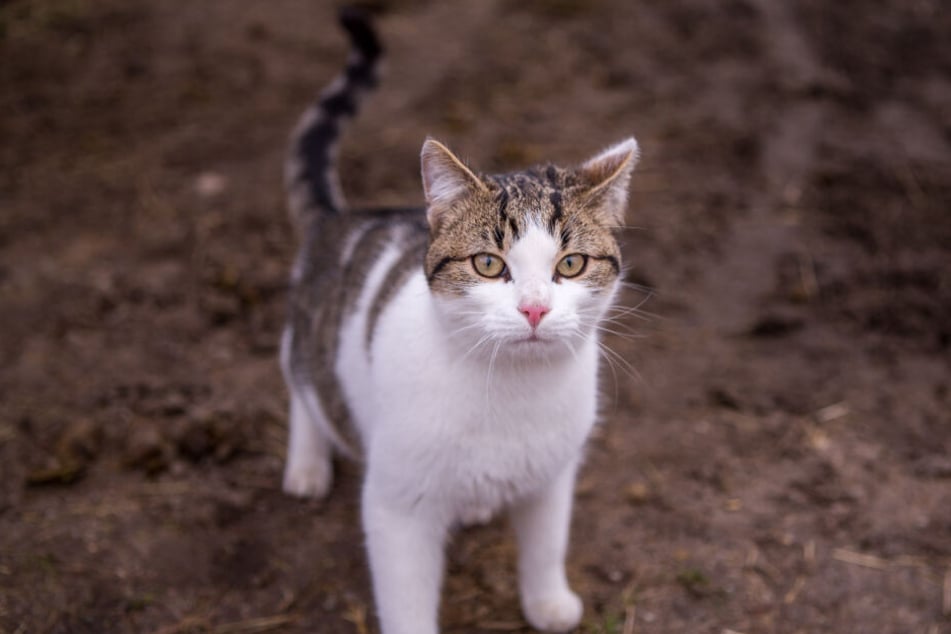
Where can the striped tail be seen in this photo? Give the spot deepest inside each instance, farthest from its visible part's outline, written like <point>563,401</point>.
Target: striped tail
<point>310,173</point>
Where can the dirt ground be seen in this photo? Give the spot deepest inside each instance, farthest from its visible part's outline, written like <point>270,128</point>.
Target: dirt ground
<point>775,454</point>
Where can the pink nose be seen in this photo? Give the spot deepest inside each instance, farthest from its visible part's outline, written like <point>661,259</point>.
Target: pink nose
<point>533,313</point>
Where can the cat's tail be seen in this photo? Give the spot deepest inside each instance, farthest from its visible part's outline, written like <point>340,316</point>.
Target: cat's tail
<point>310,173</point>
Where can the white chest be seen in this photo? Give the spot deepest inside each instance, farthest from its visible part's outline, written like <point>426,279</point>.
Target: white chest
<point>464,432</point>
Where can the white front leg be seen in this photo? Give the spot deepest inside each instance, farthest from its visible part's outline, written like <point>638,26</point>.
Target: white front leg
<point>406,548</point>
<point>542,524</point>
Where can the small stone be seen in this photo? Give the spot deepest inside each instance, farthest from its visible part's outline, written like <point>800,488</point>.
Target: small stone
<point>613,575</point>
<point>146,449</point>
<point>637,492</point>
<point>832,412</point>
<point>210,184</point>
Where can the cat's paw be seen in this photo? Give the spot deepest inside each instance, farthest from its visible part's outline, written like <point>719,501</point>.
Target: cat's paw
<point>309,480</point>
<point>559,612</point>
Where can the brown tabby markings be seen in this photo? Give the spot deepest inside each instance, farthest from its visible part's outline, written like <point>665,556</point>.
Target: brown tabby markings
<point>492,222</point>
<point>328,291</point>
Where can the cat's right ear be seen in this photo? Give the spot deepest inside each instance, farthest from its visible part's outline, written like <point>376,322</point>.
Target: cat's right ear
<point>446,180</point>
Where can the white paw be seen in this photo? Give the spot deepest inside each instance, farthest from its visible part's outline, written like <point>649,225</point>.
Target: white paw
<point>310,480</point>
<point>560,612</point>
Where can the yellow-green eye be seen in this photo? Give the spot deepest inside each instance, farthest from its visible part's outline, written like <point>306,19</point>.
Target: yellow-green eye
<point>572,265</point>
<point>488,265</point>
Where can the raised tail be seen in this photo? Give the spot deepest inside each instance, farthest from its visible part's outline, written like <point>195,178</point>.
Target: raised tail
<point>310,173</point>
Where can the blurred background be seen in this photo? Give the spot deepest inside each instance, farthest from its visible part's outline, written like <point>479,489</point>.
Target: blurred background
<point>775,453</point>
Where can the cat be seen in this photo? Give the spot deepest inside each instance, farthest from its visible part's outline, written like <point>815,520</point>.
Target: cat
<point>452,348</point>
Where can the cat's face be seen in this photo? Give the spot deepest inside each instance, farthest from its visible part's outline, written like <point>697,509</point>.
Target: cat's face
<point>525,263</point>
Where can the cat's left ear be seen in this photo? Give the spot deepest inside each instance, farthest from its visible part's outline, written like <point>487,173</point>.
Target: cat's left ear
<point>446,180</point>
<point>609,174</point>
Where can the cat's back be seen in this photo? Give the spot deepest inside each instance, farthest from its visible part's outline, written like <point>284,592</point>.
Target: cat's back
<point>348,268</point>
<point>338,250</point>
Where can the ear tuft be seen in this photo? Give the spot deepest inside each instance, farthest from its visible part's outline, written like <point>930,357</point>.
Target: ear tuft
<point>446,179</point>
<point>609,174</point>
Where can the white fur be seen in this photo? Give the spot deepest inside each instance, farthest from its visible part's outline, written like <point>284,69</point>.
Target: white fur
<point>464,411</point>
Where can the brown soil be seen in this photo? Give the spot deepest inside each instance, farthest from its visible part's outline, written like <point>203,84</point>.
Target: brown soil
<point>777,457</point>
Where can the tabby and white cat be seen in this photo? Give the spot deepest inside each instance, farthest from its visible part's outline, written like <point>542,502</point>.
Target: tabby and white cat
<point>454,349</point>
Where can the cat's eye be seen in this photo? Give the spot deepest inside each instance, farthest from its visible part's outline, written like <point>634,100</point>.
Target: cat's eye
<point>488,265</point>
<point>571,265</point>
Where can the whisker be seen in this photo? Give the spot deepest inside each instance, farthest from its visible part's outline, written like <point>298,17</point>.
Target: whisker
<point>488,377</point>
<point>463,329</point>
<point>641,288</point>
<point>612,366</point>
<point>623,335</point>
<point>468,313</point>
<point>621,311</point>
<point>628,227</point>
<point>635,311</point>
<point>637,307</point>
<point>567,344</point>
<point>476,345</point>
<point>616,321</point>
<point>624,364</point>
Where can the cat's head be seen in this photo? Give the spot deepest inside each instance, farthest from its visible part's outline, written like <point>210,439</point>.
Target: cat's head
<point>528,261</point>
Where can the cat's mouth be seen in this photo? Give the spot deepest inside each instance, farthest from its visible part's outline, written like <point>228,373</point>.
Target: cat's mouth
<point>533,339</point>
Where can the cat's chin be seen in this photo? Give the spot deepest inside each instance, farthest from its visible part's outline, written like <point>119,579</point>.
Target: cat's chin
<point>534,341</point>
<point>534,347</point>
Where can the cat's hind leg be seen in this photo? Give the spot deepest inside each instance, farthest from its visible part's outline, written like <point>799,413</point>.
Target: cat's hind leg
<point>308,471</point>
<point>309,468</point>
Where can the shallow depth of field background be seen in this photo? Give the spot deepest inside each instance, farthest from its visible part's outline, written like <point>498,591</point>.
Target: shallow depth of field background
<point>775,454</point>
